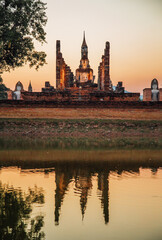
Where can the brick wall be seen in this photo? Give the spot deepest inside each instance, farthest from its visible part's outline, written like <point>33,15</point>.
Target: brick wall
<point>81,104</point>
<point>9,95</point>
<point>147,94</point>
<point>76,94</point>
<point>128,97</point>
<point>45,96</point>
<point>160,94</point>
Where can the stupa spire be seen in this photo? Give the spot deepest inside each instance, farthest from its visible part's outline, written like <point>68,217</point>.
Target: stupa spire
<point>84,41</point>
<point>30,89</point>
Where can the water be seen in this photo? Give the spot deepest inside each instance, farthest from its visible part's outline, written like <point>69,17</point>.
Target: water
<point>81,201</point>
<point>69,190</point>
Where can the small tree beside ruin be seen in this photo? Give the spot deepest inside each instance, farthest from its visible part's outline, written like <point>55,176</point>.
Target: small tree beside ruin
<point>3,90</point>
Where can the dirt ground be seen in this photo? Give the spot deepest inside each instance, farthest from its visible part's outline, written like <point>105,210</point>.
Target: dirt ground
<point>80,128</point>
<point>81,113</point>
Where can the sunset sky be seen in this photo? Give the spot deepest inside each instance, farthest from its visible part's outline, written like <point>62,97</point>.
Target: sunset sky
<point>133,28</point>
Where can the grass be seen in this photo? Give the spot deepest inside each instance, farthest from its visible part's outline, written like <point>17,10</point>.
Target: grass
<point>89,144</point>
<point>89,134</point>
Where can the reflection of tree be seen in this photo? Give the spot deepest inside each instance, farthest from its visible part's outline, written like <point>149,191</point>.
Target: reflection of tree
<point>15,210</point>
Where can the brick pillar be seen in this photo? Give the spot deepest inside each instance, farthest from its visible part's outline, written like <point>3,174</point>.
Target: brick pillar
<point>104,70</point>
<point>99,78</point>
<point>107,66</point>
<point>58,63</point>
<point>64,76</point>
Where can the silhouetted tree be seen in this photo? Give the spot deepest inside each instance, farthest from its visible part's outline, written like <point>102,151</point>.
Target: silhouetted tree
<point>3,90</point>
<point>21,22</point>
<point>15,209</point>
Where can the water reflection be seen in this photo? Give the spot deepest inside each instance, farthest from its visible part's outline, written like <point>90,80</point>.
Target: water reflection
<point>15,213</point>
<point>80,194</point>
<point>29,212</point>
<point>62,179</point>
<point>82,176</point>
<point>103,187</point>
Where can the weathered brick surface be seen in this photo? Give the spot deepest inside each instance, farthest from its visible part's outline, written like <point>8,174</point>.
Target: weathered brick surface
<point>104,70</point>
<point>147,94</point>
<point>9,95</point>
<point>160,94</point>
<point>76,94</point>
<point>81,104</point>
<point>64,75</point>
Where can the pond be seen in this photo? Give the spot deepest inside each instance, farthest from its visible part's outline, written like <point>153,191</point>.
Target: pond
<point>80,194</point>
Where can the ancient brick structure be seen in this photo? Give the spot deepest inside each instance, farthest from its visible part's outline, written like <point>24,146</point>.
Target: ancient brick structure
<point>119,88</point>
<point>84,74</point>
<point>160,94</point>
<point>30,89</point>
<point>154,93</point>
<point>64,75</point>
<point>48,87</point>
<point>17,94</point>
<point>79,95</point>
<point>9,94</point>
<point>80,104</point>
<point>83,89</point>
<point>104,82</point>
<point>19,86</point>
<point>46,96</point>
<point>147,94</point>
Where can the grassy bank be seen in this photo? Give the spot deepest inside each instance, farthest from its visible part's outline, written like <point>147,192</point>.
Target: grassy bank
<point>43,142</point>
<point>81,134</point>
<point>80,128</point>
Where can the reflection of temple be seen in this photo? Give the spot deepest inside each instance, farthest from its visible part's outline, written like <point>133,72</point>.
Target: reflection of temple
<point>62,181</point>
<point>82,177</point>
<point>83,186</point>
<point>103,187</point>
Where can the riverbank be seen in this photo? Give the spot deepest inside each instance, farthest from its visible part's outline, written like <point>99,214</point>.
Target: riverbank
<point>102,129</point>
<point>49,158</point>
<point>80,140</point>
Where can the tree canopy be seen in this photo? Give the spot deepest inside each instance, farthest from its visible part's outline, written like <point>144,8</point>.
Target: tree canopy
<point>21,23</point>
<point>3,90</point>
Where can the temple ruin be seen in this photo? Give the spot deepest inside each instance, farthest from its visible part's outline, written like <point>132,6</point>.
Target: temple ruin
<point>82,86</point>
<point>154,93</point>
<point>64,75</point>
<point>104,82</point>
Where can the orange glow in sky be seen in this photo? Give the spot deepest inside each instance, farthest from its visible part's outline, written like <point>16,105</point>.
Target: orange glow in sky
<point>133,29</point>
